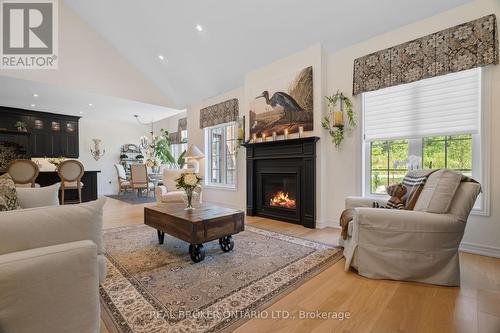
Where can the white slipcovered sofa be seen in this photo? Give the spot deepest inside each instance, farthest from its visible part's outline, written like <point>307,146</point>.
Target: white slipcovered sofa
<point>412,245</point>
<point>168,192</point>
<point>51,263</point>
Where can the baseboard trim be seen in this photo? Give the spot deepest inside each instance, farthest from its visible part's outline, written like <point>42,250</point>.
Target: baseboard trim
<point>224,204</point>
<point>327,223</point>
<point>484,250</point>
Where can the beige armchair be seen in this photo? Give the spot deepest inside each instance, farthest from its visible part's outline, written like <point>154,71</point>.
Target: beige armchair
<point>168,192</point>
<point>409,245</point>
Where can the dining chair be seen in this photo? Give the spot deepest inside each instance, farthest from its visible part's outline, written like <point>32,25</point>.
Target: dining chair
<point>139,179</point>
<point>23,173</point>
<point>71,173</point>
<point>123,181</point>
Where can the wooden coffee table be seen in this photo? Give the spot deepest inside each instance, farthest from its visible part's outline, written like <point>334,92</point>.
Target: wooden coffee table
<point>198,226</point>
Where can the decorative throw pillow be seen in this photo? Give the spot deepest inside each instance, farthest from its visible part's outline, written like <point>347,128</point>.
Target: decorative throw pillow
<point>31,197</point>
<point>396,191</point>
<point>438,191</point>
<point>8,194</point>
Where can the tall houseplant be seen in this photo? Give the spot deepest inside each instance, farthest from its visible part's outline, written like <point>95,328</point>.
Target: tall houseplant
<point>163,151</point>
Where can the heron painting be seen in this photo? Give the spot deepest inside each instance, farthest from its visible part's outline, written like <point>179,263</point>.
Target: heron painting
<point>283,103</point>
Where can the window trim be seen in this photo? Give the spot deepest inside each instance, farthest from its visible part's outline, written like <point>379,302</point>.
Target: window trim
<point>208,154</point>
<point>481,144</point>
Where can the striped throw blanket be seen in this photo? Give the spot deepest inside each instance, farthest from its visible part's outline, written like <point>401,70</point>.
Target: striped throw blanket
<point>414,182</point>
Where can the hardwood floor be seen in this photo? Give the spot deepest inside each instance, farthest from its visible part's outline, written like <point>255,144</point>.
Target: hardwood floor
<point>374,305</point>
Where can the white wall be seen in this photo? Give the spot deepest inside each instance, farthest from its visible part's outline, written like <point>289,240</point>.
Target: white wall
<point>88,63</point>
<point>340,173</point>
<point>113,137</point>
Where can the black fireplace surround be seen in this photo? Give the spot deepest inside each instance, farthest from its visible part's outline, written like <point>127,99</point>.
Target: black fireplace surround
<point>281,180</point>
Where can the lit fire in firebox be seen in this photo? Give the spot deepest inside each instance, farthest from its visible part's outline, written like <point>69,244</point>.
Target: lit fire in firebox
<point>281,199</point>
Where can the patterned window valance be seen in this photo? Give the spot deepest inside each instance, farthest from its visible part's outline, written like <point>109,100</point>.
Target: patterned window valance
<point>221,113</point>
<point>465,46</point>
<point>182,124</point>
<point>175,137</point>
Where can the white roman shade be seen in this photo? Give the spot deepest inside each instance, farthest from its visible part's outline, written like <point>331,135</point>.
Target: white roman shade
<point>443,105</point>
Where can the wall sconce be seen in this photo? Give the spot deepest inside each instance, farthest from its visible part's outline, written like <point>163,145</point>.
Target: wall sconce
<point>97,153</point>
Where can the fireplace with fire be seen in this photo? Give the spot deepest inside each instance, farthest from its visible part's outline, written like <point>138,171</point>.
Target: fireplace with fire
<point>280,191</point>
<point>281,177</point>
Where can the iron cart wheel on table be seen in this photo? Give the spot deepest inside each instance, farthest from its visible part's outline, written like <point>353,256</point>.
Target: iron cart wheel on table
<point>197,252</point>
<point>226,243</point>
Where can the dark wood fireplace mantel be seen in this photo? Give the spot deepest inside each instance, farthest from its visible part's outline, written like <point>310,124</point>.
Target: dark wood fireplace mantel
<point>283,158</point>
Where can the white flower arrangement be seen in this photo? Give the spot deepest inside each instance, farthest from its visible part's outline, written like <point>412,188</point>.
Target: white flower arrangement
<point>188,181</point>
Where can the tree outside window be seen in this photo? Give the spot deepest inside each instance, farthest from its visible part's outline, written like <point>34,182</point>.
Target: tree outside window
<point>389,159</point>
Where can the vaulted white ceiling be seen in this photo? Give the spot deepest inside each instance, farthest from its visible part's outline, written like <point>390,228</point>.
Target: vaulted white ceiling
<point>238,35</point>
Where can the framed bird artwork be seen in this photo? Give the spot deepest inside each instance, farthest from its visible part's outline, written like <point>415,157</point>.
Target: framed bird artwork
<point>285,102</point>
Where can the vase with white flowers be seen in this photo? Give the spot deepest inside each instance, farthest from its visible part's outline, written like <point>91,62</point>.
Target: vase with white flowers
<point>188,182</point>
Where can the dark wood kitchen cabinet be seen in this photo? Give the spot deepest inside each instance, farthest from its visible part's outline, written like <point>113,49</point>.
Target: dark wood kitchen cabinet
<point>51,135</point>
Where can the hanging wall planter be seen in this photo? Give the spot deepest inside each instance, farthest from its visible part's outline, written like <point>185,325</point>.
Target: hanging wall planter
<point>338,105</point>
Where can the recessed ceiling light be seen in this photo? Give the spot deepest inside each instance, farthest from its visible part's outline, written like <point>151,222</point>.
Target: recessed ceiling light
<point>199,28</point>
<point>81,112</point>
<point>32,105</point>
<point>91,105</point>
<point>161,57</point>
<point>35,95</point>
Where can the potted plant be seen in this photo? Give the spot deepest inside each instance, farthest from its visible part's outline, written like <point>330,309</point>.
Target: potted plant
<point>20,126</point>
<point>188,182</point>
<point>333,122</point>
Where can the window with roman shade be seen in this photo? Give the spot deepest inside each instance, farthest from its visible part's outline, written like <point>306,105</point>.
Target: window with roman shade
<point>447,104</point>
<point>431,123</point>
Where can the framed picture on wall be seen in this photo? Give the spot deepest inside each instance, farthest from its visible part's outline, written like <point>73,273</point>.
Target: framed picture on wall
<point>284,102</point>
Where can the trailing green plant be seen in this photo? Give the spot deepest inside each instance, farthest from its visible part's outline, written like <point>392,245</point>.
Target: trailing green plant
<point>337,132</point>
<point>20,125</point>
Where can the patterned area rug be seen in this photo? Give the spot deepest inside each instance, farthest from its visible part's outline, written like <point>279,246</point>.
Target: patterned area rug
<point>157,288</point>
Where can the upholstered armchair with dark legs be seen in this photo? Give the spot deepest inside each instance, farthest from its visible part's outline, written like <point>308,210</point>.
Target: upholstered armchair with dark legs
<point>413,245</point>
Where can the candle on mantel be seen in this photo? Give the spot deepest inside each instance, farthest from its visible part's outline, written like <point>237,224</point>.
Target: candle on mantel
<point>274,136</point>
<point>241,133</point>
<point>301,131</point>
<point>263,137</point>
<point>338,119</point>
<point>254,137</point>
<point>285,133</point>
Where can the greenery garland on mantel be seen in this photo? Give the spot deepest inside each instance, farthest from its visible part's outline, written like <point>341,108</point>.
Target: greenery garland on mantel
<point>337,131</point>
